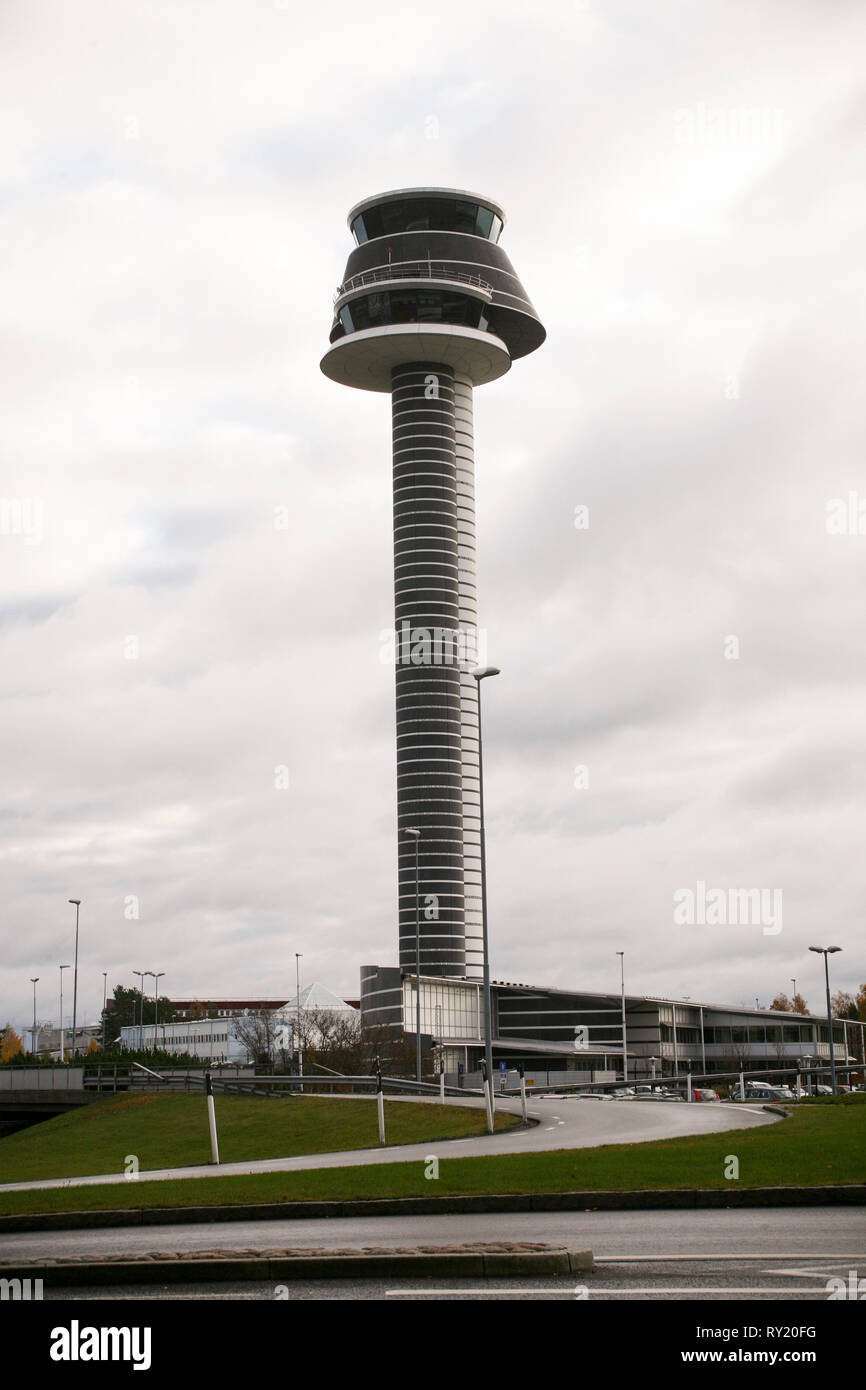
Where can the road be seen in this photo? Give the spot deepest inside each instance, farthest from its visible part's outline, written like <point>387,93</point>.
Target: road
<point>562,1124</point>
<point>768,1253</point>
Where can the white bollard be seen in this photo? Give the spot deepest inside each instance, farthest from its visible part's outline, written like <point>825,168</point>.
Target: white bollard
<point>742,1087</point>
<point>380,1102</point>
<point>689,1087</point>
<point>523,1096</point>
<point>214,1147</point>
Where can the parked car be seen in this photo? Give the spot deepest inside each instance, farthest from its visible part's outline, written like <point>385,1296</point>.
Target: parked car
<point>705,1093</point>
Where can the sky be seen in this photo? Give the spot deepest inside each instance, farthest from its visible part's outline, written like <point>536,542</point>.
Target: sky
<point>195,524</point>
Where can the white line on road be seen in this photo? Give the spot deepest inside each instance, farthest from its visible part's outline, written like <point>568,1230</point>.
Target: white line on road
<point>721,1289</point>
<point>656,1259</point>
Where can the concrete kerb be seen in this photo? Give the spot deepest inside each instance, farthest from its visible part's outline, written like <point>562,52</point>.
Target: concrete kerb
<point>648,1200</point>
<point>219,1267</point>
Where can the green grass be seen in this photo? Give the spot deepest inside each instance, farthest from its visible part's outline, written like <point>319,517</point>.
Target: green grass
<point>816,1145</point>
<point>171,1131</point>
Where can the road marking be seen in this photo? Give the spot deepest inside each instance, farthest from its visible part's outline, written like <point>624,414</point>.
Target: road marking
<point>829,1270</point>
<point>723,1290</point>
<point>654,1259</point>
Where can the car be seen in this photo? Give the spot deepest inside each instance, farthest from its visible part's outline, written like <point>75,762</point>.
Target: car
<point>705,1093</point>
<point>592,1095</point>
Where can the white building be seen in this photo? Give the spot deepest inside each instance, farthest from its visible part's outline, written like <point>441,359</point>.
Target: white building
<point>216,1040</point>
<point>211,1039</point>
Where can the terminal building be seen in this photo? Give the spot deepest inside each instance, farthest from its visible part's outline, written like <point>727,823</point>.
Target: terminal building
<point>566,1035</point>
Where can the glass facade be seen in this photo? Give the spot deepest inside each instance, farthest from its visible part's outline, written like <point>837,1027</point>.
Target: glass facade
<point>410,306</point>
<point>449,1009</point>
<point>426,215</point>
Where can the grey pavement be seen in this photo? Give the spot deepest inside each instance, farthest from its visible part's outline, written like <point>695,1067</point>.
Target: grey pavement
<point>563,1123</point>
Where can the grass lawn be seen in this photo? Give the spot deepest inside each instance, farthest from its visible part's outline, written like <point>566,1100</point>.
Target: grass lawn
<point>170,1131</point>
<point>815,1145</point>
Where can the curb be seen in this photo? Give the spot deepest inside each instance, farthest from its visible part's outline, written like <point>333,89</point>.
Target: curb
<point>677,1199</point>
<point>196,1268</point>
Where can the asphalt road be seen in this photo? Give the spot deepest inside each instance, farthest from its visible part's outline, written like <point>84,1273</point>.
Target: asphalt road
<point>563,1124</point>
<point>630,1236</point>
<point>766,1254</point>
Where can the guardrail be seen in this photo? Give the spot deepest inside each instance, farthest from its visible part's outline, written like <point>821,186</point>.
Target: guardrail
<point>412,270</point>
<point>119,1077</point>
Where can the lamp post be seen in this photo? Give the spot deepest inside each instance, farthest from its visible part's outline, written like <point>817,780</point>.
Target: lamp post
<point>34,980</point>
<point>826,951</point>
<point>77,904</point>
<point>794,999</point>
<point>141,974</point>
<point>157,976</point>
<point>481,674</point>
<point>621,955</point>
<point>62,1047</point>
<point>298,955</point>
<point>104,993</point>
<point>416,835</point>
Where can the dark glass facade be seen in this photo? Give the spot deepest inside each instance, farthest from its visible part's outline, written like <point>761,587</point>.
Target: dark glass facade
<point>426,215</point>
<point>377,310</point>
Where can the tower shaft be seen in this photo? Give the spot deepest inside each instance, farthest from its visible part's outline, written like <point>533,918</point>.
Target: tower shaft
<point>435,622</point>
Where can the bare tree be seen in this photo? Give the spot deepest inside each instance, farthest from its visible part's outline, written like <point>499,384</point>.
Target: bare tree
<point>259,1032</point>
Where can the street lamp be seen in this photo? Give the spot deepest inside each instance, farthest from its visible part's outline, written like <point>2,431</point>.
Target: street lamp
<point>62,1047</point>
<point>157,976</point>
<point>794,997</point>
<point>104,991</point>
<point>416,835</point>
<point>826,951</point>
<point>481,674</point>
<point>621,955</point>
<point>298,955</point>
<point>77,904</point>
<point>34,980</point>
<point>141,974</point>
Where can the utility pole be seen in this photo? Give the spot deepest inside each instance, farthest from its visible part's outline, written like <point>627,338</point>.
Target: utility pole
<point>77,904</point>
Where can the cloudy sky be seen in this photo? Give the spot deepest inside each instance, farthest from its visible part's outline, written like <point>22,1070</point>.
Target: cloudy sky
<point>685,191</point>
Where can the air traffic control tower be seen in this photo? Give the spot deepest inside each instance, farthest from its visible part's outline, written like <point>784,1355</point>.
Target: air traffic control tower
<point>429,308</point>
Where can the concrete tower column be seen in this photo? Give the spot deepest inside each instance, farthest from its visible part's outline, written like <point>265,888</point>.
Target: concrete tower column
<point>428,677</point>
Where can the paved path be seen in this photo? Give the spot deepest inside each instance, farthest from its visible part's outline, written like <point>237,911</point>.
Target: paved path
<point>562,1124</point>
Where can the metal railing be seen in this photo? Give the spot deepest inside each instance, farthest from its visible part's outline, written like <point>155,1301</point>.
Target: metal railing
<point>412,270</point>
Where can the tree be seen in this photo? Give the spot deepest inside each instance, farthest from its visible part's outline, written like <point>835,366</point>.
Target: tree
<point>843,1005</point>
<point>10,1044</point>
<point>124,1010</point>
<point>796,1005</point>
<point>260,1032</point>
